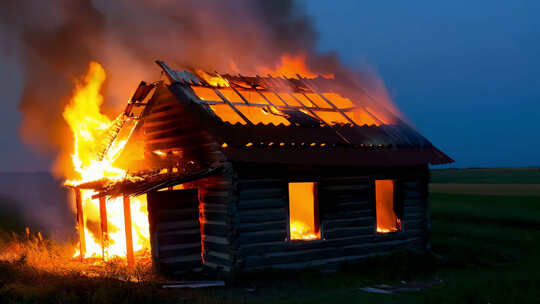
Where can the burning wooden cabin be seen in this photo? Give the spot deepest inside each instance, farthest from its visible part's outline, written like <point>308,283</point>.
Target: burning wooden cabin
<point>244,173</point>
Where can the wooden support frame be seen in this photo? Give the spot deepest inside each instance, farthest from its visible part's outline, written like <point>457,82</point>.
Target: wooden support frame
<point>80,222</point>
<point>171,75</point>
<point>311,100</point>
<point>241,96</point>
<point>346,140</point>
<point>312,87</point>
<point>104,226</point>
<point>129,232</point>
<point>233,107</point>
<point>305,82</point>
<point>308,84</point>
<point>287,106</point>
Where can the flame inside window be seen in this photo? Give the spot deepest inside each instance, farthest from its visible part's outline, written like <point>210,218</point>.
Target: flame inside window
<point>303,211</point>
<point>387,220</point>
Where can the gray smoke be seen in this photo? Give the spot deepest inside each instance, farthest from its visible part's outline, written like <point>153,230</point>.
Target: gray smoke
<point>53,42</point>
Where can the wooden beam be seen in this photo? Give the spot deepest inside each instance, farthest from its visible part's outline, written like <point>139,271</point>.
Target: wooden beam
<point>170,170</point>
<point>304,107</point>
<point>80,222</point>
<point>129,235</point>
<point>305,82</point>
<point>104,227</point>
<point>241,96</point>
<point>171,75</point>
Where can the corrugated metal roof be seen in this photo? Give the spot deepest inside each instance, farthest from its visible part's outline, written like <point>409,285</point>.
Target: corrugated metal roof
<point>297,140</point>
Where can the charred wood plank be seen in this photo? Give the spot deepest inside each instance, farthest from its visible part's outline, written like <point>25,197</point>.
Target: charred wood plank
<point>351,222</point>
<point>336,233</point>
<point>360,252</point>
<point>264,226</point>
<point>262,193</point>
<point>262,215</point>
<point>262,203</point>
<point>346,214</point>
<point>179,225</point>
<point>262,236</point>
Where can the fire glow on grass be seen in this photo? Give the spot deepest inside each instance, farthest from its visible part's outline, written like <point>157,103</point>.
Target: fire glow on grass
<point>89,128</point>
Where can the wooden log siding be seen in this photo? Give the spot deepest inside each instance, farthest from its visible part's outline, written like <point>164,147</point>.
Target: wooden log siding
<point>205,228</point>
<point>174,231</point>
<point>168,127</point>
<point>216,217</point>
<point>348,221</point>
<point>242,221</point>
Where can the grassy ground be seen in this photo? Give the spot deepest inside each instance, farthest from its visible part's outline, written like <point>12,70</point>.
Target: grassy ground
<point>486,251</point>
<point>489,189</point>
<point>529,175</point>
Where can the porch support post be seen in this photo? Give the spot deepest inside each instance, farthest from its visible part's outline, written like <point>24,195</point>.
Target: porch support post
<point>103,222</point>
<point>80,222</point>
<point>129,235</point>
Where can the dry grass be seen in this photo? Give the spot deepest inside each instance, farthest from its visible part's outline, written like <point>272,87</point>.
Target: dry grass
<point>43,255</point>
<point>487,189</point>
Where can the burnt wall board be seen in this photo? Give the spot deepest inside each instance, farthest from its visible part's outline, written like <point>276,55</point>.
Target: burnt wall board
<point>175,231</point>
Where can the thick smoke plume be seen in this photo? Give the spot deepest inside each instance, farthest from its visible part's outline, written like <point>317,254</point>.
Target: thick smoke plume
<point>54,41</point>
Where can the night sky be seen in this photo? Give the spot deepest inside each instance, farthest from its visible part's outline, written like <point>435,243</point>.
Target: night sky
<point>466,73</point>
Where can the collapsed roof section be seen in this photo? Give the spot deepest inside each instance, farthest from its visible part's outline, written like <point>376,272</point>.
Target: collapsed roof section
<point>269,120</point>
<point>251,117</point>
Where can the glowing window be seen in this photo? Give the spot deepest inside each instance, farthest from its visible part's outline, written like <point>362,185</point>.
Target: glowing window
<point>303,212</point>
<point>387,219</point>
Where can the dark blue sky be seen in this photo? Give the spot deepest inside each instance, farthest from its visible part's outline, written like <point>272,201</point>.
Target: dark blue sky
<point>467,73</point>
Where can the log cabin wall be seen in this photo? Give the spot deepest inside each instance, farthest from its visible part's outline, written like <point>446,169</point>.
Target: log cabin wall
<point>216,216</point>
<point>175,231</point>
<point>346,210</point>
<point>243,211</point>
<point>172,129</point>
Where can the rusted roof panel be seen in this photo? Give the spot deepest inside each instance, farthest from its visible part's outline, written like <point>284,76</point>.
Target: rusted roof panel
<point>331,132</point>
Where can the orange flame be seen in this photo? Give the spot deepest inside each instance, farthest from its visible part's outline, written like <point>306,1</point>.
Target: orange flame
<point>213,80</point>
<point>302,211</point>
<point>290,66</point>
<point>90,128</point>
<point>302,231</point>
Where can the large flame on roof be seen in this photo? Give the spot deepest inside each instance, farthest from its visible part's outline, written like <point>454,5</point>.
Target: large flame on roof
<point>291,65</point>
<point>213,80</point>
<point>90,128</point>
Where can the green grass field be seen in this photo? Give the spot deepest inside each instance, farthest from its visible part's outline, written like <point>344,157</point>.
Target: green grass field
<point>530,175</point>
<point>486,249</point>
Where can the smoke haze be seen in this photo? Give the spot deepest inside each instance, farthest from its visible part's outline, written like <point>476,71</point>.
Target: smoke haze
<point>54,41</point>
